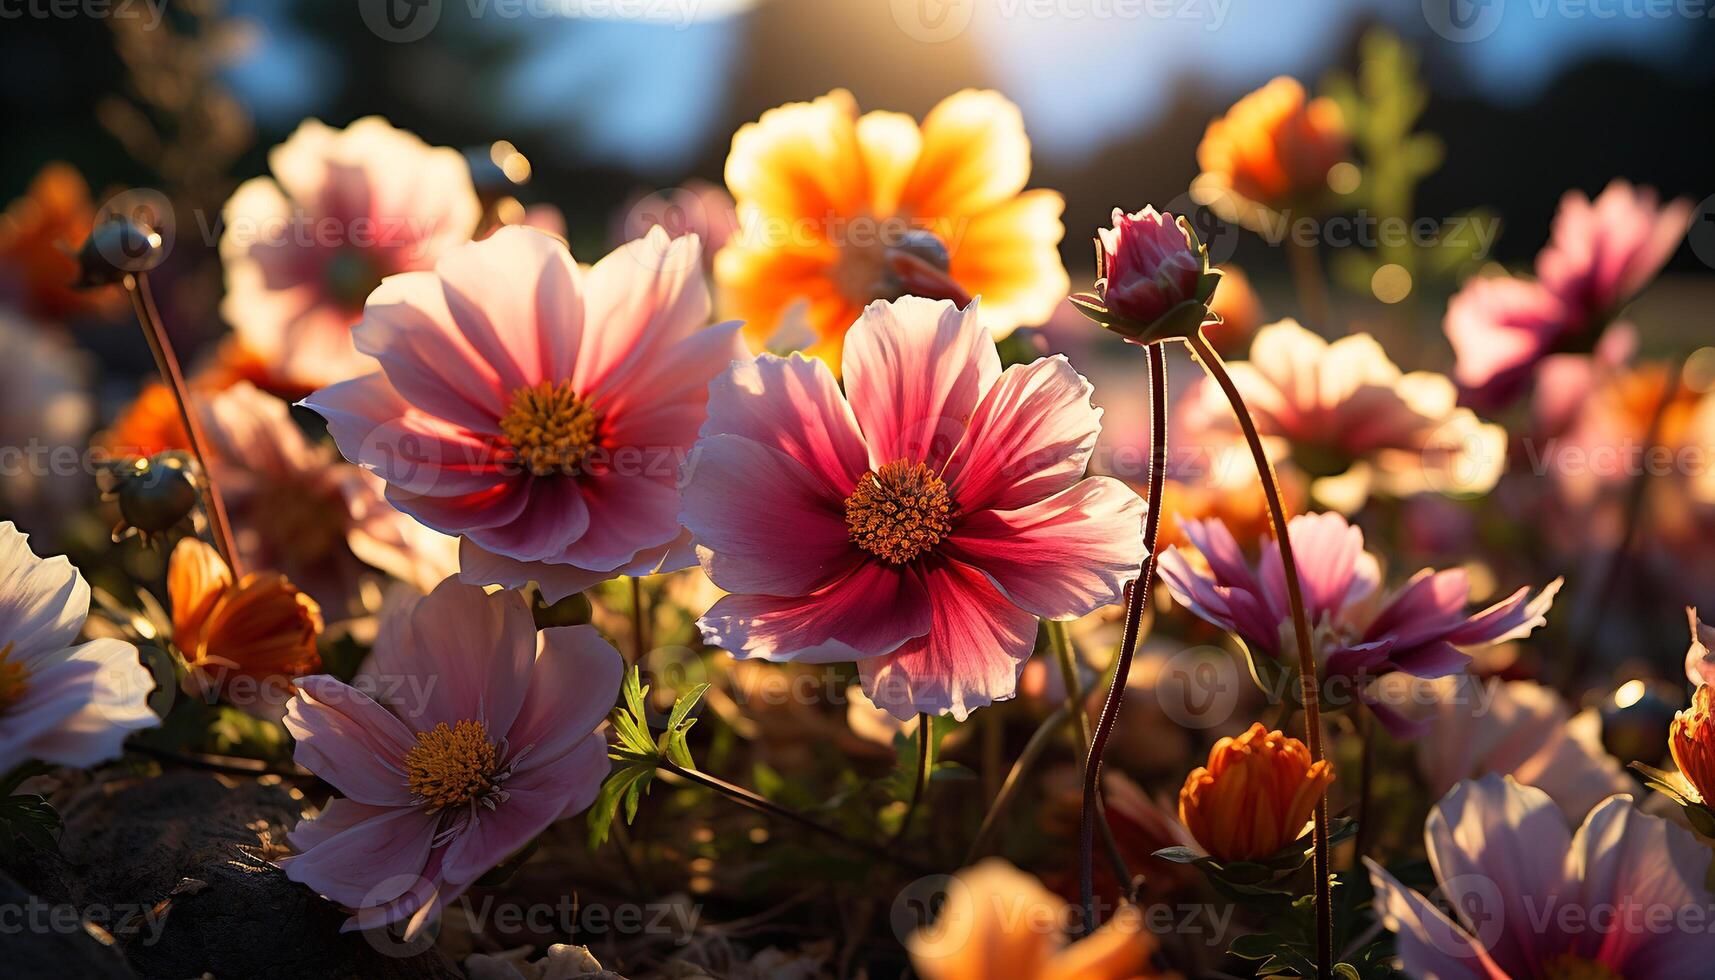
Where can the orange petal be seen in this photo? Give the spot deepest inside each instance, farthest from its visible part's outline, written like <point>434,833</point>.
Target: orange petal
<point>801,160</point>
<point>1009,255</point>
<point>975,156</point>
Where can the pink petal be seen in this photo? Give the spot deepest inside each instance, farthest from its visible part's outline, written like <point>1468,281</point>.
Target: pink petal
<point>418,455</point>
<point>370,857</point>
<point>1428,943</point>
<point>765,522</point>
<point>347,739</point>
<point>870,612</point>
<point>1628,860</point>
<point>630,514</point>
<point>1029,438</point>
<point>573,685</point>
<point>663,402</point>
<point>514,296</point>
<point>554,516</point>
<point>1517,615</point>
<point>1498,850</point>
<point>408,329</point>
<point>794,405</point>
<point>646,295</point>
<point>1428,608</point>
<point>1062,557</point>
<point>972,655</point>
<point>459,654</point>
<point>915,370</point>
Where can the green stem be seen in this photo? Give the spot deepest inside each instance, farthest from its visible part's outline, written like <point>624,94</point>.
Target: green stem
<point>925,760</point>
<point>1060,639</point>
<point>1033,749</point>
<point>1309,686</point>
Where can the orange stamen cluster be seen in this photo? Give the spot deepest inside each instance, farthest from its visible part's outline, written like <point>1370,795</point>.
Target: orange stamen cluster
<point>451,765</point>
<point>900,512</point>
<point>1254,797</point>
<point>550,427</point>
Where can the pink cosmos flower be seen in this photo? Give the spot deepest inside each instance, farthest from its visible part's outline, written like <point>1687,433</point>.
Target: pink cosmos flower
<point>920,522</point>
<point>1601,254</point>
<point>538,411</point>
<point>1500,327</point>
<point>485,733</point>
<point>297,508</point>
<point>1520,729</point>
<point>59,703</point>
<point>343,209</point>
<point>1421,629</point>
<point>1347,417</point>
<point>1533,899</point>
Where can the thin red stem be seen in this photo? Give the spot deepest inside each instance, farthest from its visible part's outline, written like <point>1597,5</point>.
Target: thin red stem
<point>161,346</point>
<point>1137,598</point>
<point>1309,686</point>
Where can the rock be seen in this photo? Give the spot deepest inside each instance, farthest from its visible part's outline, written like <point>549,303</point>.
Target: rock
<point>40,940</point>
<point>181,861</point>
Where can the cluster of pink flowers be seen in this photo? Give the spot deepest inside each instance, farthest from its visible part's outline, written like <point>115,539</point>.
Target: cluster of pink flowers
<point>1600,255</point>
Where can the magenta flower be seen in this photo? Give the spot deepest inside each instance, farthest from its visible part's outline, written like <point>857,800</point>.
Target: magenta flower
<point>537,411</point>
<point>1602,253</point>
<point>485,733</point>
<point>1623,897</point>
<point>1421,629</point>
<point>1149,265</point>
<point>917,524</point>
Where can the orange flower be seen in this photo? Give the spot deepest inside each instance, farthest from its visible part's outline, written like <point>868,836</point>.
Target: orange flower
<point>1255,796</point>
<point>149,425</point>
<point>1272,149</point>
<point>1692,740</point>
<point>39,234</point>
<point>837,209</point>
<point>1239,308</point>
<point>998,921</point>
<point>245,639</point>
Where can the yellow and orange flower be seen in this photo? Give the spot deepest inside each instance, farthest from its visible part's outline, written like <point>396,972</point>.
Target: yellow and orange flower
<point>39,234</point>
<point>1254,797</point>
<point>245,639</point>
<point>837,209</point>
<point>1272,150</point>
<point>1692,741</point>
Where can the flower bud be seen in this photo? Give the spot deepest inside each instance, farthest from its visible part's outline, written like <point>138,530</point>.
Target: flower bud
<point>116,248</point>
<point>1255,796</point>
<point>156,494</point>
<point>1691,739</point>
<point>1153,280</point>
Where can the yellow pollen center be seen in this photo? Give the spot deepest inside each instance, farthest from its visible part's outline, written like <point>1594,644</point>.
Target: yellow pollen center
<point>12,674</point>
<point>900,511</point>
<point>451,766</point>
<point>550,427</point>
<point>1569,966</point>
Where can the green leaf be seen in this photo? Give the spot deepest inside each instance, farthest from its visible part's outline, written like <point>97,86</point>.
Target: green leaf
<point>27,822</point>
<point>625,785</point>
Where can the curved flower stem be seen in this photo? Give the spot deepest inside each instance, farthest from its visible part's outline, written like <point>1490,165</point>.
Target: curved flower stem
<point>1309,686</point>
<point>925,759</point>
<point>1137,598</point>
<point>1060,639</point>
<point>762,804</point>
<point>161,346</point>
